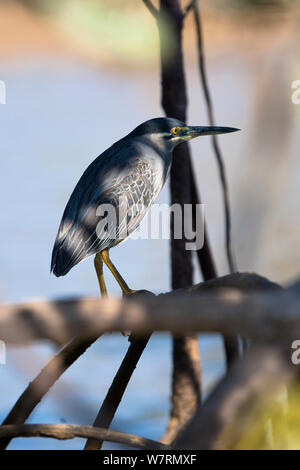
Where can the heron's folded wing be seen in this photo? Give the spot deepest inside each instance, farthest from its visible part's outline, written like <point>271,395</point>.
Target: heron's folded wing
<point>107,215</point>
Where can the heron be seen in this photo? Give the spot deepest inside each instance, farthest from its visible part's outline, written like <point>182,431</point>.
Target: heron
<point>127,177</point>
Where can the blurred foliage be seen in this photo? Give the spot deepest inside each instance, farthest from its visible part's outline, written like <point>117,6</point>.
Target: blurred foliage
<point>50,6</point>
<point>255,4</point>
<point>261,3</point>
<point>123,30</point>
<point>276,421</point>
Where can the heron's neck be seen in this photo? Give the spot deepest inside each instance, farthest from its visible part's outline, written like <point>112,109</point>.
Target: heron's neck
<point>160,146</point>
<point>156,151</point>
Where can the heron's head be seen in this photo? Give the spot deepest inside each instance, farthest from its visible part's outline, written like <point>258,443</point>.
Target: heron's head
<point>169,132</point>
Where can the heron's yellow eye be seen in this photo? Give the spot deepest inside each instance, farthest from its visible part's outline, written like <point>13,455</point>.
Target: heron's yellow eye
<point>175,130</point>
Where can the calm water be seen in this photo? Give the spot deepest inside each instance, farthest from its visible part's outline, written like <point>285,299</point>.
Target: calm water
<point>59,115</point>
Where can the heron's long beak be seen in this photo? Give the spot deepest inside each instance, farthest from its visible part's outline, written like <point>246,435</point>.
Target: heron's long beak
<point>195,131</point>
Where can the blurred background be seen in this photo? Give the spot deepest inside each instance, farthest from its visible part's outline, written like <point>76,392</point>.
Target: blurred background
<point>80,74</point>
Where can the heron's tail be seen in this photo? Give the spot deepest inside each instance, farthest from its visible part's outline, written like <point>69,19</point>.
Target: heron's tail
<point>59,258</point>
<point>67,252</point>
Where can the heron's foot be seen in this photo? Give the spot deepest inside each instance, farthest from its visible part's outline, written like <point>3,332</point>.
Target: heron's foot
<point>127,292</point>
<point>136,293</point>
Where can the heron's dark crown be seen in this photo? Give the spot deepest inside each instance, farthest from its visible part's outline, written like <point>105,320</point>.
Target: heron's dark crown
<point>156,126</point>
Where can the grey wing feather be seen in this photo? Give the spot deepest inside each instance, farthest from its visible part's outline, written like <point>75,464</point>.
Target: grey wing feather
<point>130,186</point>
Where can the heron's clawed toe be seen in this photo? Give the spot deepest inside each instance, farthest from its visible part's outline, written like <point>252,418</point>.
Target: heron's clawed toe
<point>137,293</point>
<point>128,292</point>
<point>125,334</point>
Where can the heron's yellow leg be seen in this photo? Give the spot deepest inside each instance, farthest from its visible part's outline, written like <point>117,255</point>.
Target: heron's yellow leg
<point>98,262</point>
<point>125,289</point>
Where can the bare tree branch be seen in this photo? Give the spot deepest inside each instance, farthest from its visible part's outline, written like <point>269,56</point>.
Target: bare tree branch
<point>205,258</point>
<point>189,6</point>
<point>229,311</point>
<point>117,390</point>
<point>53,370</point>
<point>69,431</point>
<point>215,141</point>
<point>153,10</point>
<point>38,388</point>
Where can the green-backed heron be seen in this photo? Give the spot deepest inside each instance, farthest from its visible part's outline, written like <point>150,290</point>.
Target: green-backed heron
<point>128,177</point>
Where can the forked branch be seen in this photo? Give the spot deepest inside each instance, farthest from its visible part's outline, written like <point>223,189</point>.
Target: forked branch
<point>153,10</point>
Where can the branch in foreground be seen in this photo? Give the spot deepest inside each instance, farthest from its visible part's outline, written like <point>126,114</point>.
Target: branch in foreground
<point>65,358</point>
<point>228,411</point>
<point>231,343</point>
<point>38,388</point>
<point>64,431</point>
<point>228,311</point>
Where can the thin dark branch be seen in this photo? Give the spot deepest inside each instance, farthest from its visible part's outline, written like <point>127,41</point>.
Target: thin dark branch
<point>231,344</point>
<point>38,388</point>
<point>215,142</point>
<point>153,10</point>
<point>208,269</point>
<point>69,431</point>
<point>117,390</point>
<point>205,257</point>
<point>189,7</point>
<point>186,375</point>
